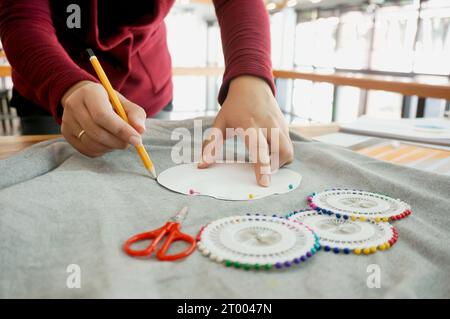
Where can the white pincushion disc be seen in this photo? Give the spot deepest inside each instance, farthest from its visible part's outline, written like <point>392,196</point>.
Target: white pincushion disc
<point>229,181</point>
<point>345,235</point>
<point>359,204</point>
<point>257,242</point>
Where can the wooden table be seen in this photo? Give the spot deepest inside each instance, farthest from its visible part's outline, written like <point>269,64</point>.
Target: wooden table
<point>402,154</point>
<point>313,130</point>
<point>10,145</point>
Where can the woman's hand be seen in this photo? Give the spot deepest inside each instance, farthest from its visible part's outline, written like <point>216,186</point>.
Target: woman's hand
<point>86,107</point>
<point>251,106</point>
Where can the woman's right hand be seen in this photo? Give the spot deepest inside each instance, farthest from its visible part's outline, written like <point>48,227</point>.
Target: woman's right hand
<point>87,107</point>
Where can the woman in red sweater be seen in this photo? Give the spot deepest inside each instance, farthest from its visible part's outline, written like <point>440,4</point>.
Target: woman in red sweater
<point>52,76</point>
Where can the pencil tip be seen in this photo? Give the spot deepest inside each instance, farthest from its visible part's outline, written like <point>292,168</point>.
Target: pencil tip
<point>90,52</point>
<point>152,172</point>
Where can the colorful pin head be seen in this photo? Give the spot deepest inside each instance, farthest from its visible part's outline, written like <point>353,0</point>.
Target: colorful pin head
<point>192,192</point>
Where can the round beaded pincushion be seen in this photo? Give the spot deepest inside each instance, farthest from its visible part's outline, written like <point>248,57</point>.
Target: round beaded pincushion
<point>257,242</point>
<point>356,204</point>
<point>345,236</point>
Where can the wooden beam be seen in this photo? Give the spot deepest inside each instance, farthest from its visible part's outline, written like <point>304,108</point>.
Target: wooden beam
<point>422,87</point>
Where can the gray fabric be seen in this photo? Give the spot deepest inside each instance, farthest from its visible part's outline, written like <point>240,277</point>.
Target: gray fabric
<point>58,207</point>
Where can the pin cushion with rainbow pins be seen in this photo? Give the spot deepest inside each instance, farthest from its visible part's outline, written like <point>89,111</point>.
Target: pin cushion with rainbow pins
<point>345,235</point>
<point>258,242</point>
<point>358,205</point>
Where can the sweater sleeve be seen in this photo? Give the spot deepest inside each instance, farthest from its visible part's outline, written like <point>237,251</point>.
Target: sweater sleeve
<point>43,68</point>
<point>245,32</point>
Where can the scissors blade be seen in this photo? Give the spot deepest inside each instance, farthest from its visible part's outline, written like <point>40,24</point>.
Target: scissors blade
<point>180,216</point>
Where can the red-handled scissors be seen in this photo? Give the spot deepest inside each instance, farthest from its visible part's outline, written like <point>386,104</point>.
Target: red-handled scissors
<point>172,229</point>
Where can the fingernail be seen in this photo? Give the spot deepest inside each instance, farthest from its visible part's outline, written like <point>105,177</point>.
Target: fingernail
<point>265,180</point>
<point>143,124</point>
<point>202,164</point>
<point>135,141</point>
<point>208,158</point>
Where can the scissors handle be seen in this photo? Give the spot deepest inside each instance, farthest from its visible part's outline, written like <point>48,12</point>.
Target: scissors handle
<point>176,235</point>
<point>156,235</point>
<point>171,228</point>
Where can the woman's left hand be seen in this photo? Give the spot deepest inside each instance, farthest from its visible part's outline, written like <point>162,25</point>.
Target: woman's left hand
<point>251,110</point>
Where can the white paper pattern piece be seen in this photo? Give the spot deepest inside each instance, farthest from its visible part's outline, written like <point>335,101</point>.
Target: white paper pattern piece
<point>228,181</point>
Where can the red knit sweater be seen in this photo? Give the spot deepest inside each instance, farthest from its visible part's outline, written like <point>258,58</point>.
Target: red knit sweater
<point>129,38</point>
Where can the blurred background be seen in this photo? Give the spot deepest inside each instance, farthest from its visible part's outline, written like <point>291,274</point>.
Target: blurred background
<point>334,60</point>
<point>409,38</point>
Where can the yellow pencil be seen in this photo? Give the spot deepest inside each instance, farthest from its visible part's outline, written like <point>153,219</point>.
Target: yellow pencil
<point>119,109</point>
